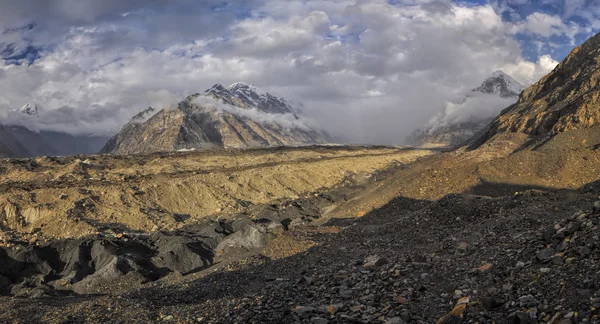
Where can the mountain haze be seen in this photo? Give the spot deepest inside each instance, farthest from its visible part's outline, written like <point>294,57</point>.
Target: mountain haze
<point>460,121</point>
<point>18,141</point>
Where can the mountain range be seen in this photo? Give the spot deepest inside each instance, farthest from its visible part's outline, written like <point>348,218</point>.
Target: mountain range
<point>237,116</point>
<point>460,121</point>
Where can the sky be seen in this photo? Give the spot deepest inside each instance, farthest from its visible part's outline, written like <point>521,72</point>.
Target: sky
<point>367,71</point>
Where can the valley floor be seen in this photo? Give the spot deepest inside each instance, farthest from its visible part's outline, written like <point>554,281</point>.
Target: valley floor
<point>512,225</point>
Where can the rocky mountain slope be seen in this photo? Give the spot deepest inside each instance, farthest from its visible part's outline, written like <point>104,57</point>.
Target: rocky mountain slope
<point>235,117</point>
<point>460,121</point>
<point>565,99</point>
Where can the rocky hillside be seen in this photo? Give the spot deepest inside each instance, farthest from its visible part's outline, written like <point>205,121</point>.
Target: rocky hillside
<point>565,99</point>
<point>235,117</point>
<point>460,121</point>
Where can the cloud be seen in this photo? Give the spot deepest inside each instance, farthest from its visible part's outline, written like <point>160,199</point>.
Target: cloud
<point>475,108</point>
<point>545,25</point>
<point>287,121</point>
<point>366,71</point>
<point>528,72</point>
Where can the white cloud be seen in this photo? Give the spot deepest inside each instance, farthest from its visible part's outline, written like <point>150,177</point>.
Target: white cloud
<point>366,70</point>
<point>545,25</point>
<point>528,72</point>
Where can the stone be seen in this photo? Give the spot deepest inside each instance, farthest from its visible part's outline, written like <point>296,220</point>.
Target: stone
<point>374,261</point>
<point>545,255</point>
<point>493,302</point>
<point>557,260</point>
<point>485,267</point>
<point>522,318</point>
<point>395,320</point>
<point>304,310</point>
<point>463,248</point>
<point>528,301</point>
<point>584,251</point>
<point>458,294</point>
<point>401,300</point>
<point>318,320</point>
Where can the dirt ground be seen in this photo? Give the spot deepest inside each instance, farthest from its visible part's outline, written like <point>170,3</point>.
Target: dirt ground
<point>46,198</point>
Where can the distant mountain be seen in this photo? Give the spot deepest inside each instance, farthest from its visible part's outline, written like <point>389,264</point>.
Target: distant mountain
<point>29,109</point>
<point>17,141</point>
<point>10,146</point>
<point>501,85</point>
<point>238,116</point>
<point>566,99</point>
<point>460,121</point>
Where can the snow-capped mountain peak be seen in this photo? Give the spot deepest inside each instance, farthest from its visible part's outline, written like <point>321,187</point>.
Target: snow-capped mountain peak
<point>500,84</point>
<point>249,96</point>
<point>29,109</point>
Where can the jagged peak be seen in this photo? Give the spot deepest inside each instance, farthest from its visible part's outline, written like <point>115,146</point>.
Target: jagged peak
<point>499,73</point>
<point>195,95</point>
<point>217,87</point>
<point>500,84</point>
<point>239,85</point>
<point>143,115</point>
<point>29,109</point>
<point>248,89</point>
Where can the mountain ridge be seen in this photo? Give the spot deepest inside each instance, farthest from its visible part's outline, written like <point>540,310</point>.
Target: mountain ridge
<point>238,116</point>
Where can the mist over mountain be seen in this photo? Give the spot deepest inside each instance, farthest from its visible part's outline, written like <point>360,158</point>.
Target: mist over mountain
<point>460,121</point>
<point>22,137</point>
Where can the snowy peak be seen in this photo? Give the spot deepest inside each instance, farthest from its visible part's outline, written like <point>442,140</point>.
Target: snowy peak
<point>500,84</point>
<point>29,109</point>
<point>244,95</point>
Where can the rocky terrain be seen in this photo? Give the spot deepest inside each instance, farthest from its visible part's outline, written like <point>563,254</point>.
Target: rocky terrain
<point>104,224</point>
<point>400,246</point>
<point>235,117</point>
<point>81,195</point>
<point>461,121</point>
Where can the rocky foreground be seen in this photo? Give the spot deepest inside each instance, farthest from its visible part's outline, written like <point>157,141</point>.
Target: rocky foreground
<point>529,257</point>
